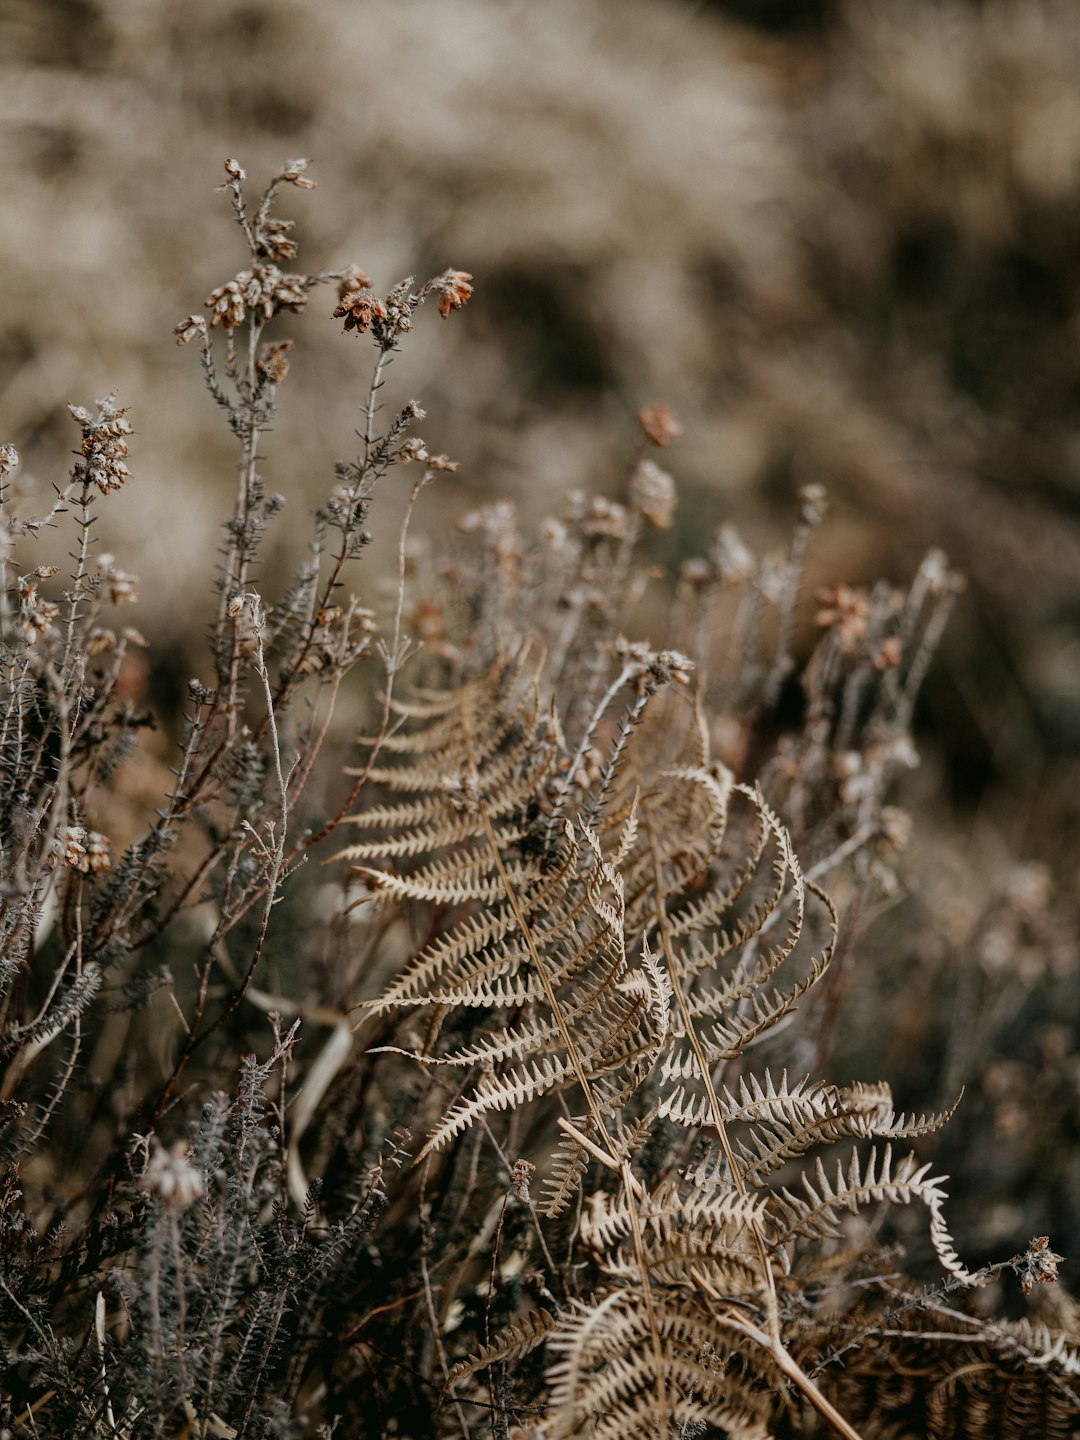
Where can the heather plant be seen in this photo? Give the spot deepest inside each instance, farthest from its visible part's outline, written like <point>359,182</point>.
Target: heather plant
<point>523,1121</point>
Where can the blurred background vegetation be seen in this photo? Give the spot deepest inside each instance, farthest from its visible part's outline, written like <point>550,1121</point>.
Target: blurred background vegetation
<point>841,237</point>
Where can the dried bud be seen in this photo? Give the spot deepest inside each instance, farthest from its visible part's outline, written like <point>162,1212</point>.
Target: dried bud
<point>9,458</point>
<point>235,171</point>
<point>274,240</point>
<point>123,586</point>
<point>414,449</point>
<point>520,1176</point>
<point>353,278</point>
<point>813,504</point>
<point>1038,1265</point>
<point>443,462</point>
<point>652,492</point>
<point>99,640</point>
<point>659,423</point>
<point>97,852</point>
<point>272,364</point>
<point>358,308</point>
<point>199,693</point>
<point>188,329</point>
<point>453,289</point>
<point>293,173</point>
<point>732,558</point>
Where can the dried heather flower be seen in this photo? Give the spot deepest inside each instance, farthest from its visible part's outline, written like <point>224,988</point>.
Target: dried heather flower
<point>36,615</point>
<point>520,1176</point>
<point>1038,1265</point>
<point>187,330</point>
<point>293,174</point>
<point>274,242</point>
<point>813,503</point>
<point>358,309</point>
<point>97,852</point>
<point>652,492</point>
<point>9,458</point>
<point>846,610</point>
<point>123,587</point>
<point>453,289</point>
<point>264,290</point>
<point>732,557</point>
<point>353,278</point>
<point>70,846</point>
<point>272,362</point>
<point>172,1177</point>
<point>99,640</point>
<point>104,445</point>
<point>235,171</point>
<point>659,423</point>
<point>605,517</point>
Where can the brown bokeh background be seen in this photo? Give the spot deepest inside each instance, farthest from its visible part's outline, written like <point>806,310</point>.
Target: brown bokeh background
<point>842,239</point>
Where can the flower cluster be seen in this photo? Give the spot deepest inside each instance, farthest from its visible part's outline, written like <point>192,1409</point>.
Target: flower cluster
<point>86,851</point>
<point>389,319</point>
<point>103,456</point>
<point>263,290</point>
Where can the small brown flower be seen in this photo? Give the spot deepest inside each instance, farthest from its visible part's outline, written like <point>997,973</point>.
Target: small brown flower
<point>9,458</point>
<point>1038,1265</point>
<point>272,363</point>
<point>443,463</point>
<point>123,587</point>
<point>652,492</point>
<point>659,423</point>
<point>358,308</point>
<point>353,278</point>
<point>97,852</point>
<point>235,171</point>
<point>293,174</point>
<point>453,289</point>
<point>274,240</point>
<point>187,330</point>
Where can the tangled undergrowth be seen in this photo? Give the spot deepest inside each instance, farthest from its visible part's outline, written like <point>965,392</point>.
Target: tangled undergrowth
<point>524,1124</point>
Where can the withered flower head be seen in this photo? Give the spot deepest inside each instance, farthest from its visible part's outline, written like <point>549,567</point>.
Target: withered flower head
<point>9,458</point>
<point>272,362</point>
<point>358,308</point>
<point>263,289</point>
<point>293,173</point>
<point>235,171</point>
<point>652,492</point>
<point>659,423</point>
<point>275,242</point>
<point>453,289</point>
<point>104,445</point>
<point>1038,1265</point>
<point>353,278</point>
<point>187,330</point>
